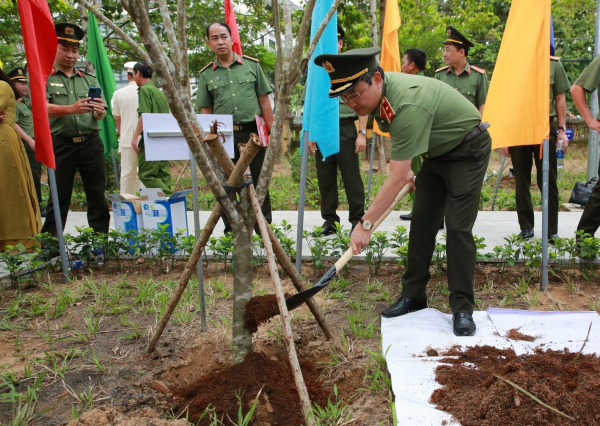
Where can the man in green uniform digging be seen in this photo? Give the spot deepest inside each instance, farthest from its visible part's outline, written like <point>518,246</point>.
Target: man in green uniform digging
<point>424,117</point>
<point>153,174</point>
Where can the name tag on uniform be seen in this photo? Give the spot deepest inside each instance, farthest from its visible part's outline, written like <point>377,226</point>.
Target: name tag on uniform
<point>57,85</point>
<point>216,79</point>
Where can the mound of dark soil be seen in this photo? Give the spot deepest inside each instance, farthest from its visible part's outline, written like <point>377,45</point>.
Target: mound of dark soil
<point>474,396</point>
<point>279,403</point>
<point>259,310</point>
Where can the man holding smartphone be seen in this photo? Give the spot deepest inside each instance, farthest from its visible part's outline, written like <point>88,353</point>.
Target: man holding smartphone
<point>74,124</point>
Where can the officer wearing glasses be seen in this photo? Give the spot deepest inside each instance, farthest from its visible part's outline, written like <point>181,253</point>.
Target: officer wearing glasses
<point>424,117</point>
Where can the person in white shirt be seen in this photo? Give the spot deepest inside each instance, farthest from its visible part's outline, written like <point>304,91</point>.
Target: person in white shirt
<point>124,106</point>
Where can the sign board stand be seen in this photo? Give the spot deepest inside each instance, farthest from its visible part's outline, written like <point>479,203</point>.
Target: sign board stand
<point>203,327</point>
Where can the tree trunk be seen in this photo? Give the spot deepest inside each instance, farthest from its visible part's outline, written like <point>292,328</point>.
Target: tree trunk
<point>381,160</point>
<point>382,4</point>
<point>242,291</point>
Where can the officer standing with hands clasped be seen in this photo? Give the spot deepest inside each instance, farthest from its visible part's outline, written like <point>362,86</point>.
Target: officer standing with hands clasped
<point>351,143</point>
<point>524,156</point>
<point>424,117</point>
<point>74,124</point>
<point>589,81</point>
<point>24,127</point>
<point>236,85</point>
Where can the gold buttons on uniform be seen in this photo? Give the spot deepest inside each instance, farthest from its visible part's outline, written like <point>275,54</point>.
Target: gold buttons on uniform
<point>235,108</point>
<point>233,94</point>
<point>77,118</point>
<point>230,81</point>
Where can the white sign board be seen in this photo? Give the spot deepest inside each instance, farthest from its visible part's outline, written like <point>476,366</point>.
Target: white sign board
<point>175,147</point>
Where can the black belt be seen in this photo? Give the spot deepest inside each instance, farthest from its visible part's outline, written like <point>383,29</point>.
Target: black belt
<point>347,120</point>
<point>477,130</point>
<point>76,139</point>
<point>244,126</point>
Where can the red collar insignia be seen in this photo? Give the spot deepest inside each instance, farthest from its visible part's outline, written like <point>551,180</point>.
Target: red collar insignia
<point>53,71</point>
<point>214,65</point>
<point>468,70</point>
<point>239,59</point>
<point>79,73</point>
<point>386,110</point>
<point>448,70</point>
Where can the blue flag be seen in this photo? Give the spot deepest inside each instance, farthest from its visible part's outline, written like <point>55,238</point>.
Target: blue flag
<point>322,114</point>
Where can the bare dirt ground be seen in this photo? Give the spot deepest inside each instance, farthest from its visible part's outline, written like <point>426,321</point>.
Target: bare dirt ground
<point>88,338</point>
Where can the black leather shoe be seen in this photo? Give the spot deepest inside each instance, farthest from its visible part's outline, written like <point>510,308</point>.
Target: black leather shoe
<point>406,216</point>
<point>327,230</point>
<point>525,234</point>
<point>463,324</point>
<point>46,255</point>
<point>552,239</point>
<point>43,212</point>
<point>404,305</point>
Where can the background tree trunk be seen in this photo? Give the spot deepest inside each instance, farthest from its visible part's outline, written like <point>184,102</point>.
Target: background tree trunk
<point>242,292</point>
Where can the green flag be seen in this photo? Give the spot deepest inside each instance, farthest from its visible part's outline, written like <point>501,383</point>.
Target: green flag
<point>104,74</point>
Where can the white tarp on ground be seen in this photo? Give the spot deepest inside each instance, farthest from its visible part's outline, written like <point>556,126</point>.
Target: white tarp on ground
<point>407,339</point>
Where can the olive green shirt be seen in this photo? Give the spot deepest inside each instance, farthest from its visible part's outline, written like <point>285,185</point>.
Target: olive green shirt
<point>472,82</point>
<point>24,116</point>
<point>346,111</point>
<point>559,82</point>
<point>420,73</point>
<point>430,118</point>
<point>590,78</point>
<point>233,90</point>
<point>151,100</point>
<point>63,90</point>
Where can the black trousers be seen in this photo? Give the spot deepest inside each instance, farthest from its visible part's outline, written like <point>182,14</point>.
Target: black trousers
<point>590,219</point>
<point>87,158</point>
<point>452,183</point>
<point>522,160</point>
<point>242,137</point>
<point>36,172</point>
<point>347,162</point>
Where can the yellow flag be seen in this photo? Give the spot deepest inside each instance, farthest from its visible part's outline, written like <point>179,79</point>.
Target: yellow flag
<point>517,105</point>
<point>390,51</point>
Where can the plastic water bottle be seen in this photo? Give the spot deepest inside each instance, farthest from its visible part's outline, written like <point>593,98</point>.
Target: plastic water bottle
<point>560,155</point>
<point>99,257</point>
<point>75,264</point>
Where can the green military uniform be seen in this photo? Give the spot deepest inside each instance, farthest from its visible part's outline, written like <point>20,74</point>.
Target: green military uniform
<point>472,82</point>
<point>523,157</point>
<point>590,219</point>
<point>426,117</point>
<point>235,90</point>
<point>153,174</point>
<point>347,161</point>
<point>76,141</point>
<point>24,119</point>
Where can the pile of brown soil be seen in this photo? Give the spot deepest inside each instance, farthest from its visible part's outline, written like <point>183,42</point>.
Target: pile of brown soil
<point>515,334</point>
<point>109,415</point>
<point>279,403</point>
<point>259,310</point>
<point>474,396</point>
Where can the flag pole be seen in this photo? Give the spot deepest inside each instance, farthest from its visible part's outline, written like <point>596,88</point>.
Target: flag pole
<point>545,176</point>
<point>371,166</point>
<point>203,327</point>
<point>498,181</point>
<point>301,202</point>
<point>117,177</point>
<point>58,221</point>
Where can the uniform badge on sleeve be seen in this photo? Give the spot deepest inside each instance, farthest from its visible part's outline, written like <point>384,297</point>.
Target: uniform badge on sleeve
<point>386,110</point>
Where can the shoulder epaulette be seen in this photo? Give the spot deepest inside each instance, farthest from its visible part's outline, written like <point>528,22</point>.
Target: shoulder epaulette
<point>88,73</point>
<point>206,66</point>
<point>479,70</point>
<point>251,58</point>
<point>441,69</point>
<point>555,58</point>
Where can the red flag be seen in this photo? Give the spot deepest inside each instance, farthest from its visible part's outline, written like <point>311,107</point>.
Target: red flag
<point>40,41</point>
<point>230,20</point>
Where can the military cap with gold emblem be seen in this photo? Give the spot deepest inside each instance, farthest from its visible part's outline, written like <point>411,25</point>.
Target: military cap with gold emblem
<point>346,68</point>
<point>453,36</point>
<point>68,33</point>
<point>18,74</point>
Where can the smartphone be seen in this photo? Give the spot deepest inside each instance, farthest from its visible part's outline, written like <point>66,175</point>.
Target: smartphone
<point>94,92</point>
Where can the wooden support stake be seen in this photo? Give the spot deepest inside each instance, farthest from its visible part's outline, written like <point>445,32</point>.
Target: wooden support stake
<point>285,316</point>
